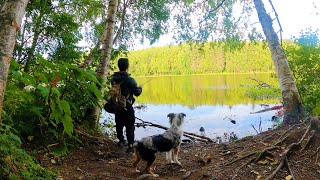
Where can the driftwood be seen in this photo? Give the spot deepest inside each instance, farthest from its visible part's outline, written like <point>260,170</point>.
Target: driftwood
<point>261,83</point>
<point>186,134</point>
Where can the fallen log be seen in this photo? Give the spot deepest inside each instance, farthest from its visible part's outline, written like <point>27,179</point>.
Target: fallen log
<point>187,134</point>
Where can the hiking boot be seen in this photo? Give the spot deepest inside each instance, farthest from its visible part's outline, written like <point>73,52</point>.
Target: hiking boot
<point>130,148</point>
<point>122,143</point>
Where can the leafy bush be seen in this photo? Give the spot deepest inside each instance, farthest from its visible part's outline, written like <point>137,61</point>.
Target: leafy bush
<point>304,58</point>
<point>15,162</point>
<point>51,100</point>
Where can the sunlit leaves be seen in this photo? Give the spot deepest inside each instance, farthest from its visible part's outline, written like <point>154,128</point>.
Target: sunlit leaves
<point>55,99</point>
<point>304,58</point>
<point>211,57</point>
<point>44,91</point>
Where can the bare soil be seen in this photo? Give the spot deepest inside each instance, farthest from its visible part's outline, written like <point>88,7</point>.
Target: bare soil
<point>249,158</point>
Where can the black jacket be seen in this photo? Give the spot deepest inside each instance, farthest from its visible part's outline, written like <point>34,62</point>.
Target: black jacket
<point>128,86</point>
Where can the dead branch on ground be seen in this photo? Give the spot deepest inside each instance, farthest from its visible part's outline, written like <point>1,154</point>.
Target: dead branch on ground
<point>187,134</point>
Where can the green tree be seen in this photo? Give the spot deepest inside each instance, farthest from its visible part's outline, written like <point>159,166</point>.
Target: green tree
<point>53,28</point>
<point>304,58</point>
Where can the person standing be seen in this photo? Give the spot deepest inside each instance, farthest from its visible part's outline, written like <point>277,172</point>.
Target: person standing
<point>126,117</point>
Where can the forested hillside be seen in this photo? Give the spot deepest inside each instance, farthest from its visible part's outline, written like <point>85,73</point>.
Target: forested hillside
<point>210,57</point>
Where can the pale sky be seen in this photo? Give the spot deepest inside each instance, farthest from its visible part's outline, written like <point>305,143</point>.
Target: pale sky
<point>294,16</point>
<point>297,15</point>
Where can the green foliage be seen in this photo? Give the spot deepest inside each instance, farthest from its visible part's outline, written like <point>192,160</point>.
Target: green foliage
<point>55,28</point>
<point>208,57</point>
<point>50,101</point>
<point>304,58</point>
<point>15,162</point>
<point>257,92</point>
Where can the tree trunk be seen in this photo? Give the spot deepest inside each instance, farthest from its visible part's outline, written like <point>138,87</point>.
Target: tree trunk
<point>293,107</point>
<point>11,14</point>
<point>102,70</point>
<point>30,55</point>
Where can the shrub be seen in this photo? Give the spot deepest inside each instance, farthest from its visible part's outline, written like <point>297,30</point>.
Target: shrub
<point>304,58</point>
<point>15,162</point>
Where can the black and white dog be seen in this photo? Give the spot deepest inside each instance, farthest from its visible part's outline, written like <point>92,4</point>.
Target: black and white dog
<point>168,142</point>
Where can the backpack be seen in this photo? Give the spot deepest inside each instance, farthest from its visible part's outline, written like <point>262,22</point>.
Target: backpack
<point>116,101</point>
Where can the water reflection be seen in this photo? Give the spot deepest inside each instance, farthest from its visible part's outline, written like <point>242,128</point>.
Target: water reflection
<point>211,102</point>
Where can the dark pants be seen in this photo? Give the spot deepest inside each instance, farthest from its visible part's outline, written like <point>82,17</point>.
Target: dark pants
<point>125,118</point>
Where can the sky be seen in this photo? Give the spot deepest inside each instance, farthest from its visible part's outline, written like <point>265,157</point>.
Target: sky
<point>294,16</point>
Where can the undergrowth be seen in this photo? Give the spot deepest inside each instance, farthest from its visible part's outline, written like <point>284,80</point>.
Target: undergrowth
<point>15,162</point>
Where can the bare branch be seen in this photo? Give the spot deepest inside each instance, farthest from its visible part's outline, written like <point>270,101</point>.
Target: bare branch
<point>121,27</point>
<point>276,14</point>
<point>212,10</point>
<point>187,134</point>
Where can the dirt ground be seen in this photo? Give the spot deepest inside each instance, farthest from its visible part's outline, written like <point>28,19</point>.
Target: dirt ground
<point>294,150</point>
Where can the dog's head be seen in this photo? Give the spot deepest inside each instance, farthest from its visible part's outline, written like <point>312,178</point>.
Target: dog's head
<point>176,119</point>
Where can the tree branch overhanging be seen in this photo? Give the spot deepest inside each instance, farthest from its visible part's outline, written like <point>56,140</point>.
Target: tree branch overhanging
<point>213,10</point>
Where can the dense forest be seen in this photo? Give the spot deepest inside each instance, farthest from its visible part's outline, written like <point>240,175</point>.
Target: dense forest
<point>210,57</point>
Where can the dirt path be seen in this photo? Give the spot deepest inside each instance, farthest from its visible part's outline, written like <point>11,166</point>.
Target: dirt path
<point>250,158</point>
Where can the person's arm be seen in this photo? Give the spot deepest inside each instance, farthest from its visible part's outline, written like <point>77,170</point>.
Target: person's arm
<point>135,89</point>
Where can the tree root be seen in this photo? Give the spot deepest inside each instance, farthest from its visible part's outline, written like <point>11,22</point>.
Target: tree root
<point>308,140</point>
<point>285,154</point>
<point>264,152</point>
<point>274,146</point>
<point>316,153</point>
<point>238,159</point>
<point>290,170</point>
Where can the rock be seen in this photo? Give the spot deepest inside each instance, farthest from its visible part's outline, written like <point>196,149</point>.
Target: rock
<point>186,175</point>
<point>53,161</point>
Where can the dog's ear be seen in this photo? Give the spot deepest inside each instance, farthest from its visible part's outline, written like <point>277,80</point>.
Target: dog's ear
<point>182,115</point>
<point>170,115</point>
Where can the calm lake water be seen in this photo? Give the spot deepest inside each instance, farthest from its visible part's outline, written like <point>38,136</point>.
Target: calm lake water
<point>209,101</point>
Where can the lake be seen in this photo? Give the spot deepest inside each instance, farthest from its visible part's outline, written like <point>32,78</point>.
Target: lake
<point>209,101</point>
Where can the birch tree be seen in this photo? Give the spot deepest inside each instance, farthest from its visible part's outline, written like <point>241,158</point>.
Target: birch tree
<point>293,107</point>
<point>107,44</point>
<point>11,14</point>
